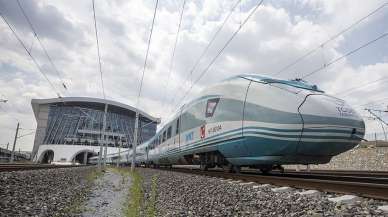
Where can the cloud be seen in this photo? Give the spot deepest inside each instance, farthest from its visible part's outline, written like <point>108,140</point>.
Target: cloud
<point>48,21</point>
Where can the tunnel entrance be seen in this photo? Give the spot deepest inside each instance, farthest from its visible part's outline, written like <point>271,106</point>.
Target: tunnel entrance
<point>83,157</point>
<point>48,157</point>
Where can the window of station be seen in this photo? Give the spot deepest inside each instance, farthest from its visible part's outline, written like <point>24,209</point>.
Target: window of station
<point>169,132</point>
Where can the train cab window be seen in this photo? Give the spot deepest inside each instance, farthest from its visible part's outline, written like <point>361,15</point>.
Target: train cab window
<point>211,106</point>
<point>169,132</point>
<point>177,127</point>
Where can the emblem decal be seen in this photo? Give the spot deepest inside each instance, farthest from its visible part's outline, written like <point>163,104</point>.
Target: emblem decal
<point>202,131</point>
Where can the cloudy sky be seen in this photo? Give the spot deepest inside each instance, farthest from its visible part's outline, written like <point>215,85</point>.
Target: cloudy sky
<point>277,34</point>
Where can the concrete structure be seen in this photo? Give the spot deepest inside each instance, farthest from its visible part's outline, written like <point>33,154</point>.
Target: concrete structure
<point>69,129</point>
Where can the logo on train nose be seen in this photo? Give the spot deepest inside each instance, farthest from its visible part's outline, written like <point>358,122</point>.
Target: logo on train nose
<point>202,131</point>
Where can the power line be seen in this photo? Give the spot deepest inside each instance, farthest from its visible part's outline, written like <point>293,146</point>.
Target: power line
<point>146,57</point>
<point>29,54</point>
<point>221,50</point>
<point>173,52</point>
<point>98,49</point>
<point>372,102</point>
<point>350,90</point>
<point>345,55</point>
<point>213,38</point>
<point>209,44</point>
<point>42,46</point>
<point>330,39</point>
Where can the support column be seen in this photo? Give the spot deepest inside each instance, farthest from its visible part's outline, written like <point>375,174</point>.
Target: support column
<point>119,158</point>
<point>85,158</point>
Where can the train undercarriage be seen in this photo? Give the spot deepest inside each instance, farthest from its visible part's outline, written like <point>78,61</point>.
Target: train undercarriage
<point>209,160</point>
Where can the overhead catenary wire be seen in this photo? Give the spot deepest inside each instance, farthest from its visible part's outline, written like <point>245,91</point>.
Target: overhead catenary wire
<point>41,45</point>
<point>221,50</point>
<point>98,50</point>
<point>208,46</point>
<point>29,54</point>
<point>213,38</point>
<point>345,55</point>
<point>372,102</point>
<point>146,56</point>
<point>358,87</point>
<point>330,39</point>
<point>173,52</point>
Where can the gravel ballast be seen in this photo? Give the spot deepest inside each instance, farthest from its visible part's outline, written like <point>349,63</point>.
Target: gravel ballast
<point>108,195</point>
<point>181,194</point>
<point>44,192</point>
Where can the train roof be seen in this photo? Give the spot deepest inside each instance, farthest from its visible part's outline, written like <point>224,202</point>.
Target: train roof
<point>299,83</point>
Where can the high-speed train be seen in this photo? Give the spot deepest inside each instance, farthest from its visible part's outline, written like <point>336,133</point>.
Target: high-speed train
<point>256,121</point>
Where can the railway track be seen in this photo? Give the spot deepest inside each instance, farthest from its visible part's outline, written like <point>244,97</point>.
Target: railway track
<point>15,167</point>
<point>361,183</point>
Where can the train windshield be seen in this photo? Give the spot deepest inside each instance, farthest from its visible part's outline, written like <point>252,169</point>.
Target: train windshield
<point>298,83</point>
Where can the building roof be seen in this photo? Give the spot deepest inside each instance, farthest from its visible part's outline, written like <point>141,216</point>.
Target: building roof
<point>36,102</point>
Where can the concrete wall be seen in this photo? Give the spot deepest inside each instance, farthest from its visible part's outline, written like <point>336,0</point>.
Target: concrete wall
<point>66,153</point>
<point>369,158</point>
<point>40,129</point>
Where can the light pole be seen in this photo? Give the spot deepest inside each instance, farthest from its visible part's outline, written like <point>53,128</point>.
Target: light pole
<point>14,143</point>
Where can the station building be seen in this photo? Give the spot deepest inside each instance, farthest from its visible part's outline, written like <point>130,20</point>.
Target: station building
<point>69,129</point>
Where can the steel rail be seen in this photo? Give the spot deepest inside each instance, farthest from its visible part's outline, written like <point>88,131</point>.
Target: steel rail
<point>18,167</point>
<point>371,187</point>
<point>368,173</point>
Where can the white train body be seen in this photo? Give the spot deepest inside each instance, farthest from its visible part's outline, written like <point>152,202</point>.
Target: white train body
<point>252,120</point>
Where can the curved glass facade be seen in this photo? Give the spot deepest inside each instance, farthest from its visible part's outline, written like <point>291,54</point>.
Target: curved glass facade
<point>81,124</point>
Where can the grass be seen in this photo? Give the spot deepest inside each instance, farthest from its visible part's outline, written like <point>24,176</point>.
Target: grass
<point>93,175</point>
<point>137,205</point>
<point>151,210</point>
<point>136,196</point>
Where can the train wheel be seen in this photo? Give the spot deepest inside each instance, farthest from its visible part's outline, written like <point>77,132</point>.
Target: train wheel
<point>203,167</point>
<point>265,170</point>
<point>281,169</point>
<point>228,168</point>
<point>236,169</point>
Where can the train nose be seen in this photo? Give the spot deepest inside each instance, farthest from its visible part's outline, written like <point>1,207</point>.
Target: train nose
<point>330,126</point>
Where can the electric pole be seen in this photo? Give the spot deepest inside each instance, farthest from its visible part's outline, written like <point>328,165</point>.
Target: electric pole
<point>371,111</point>
<point>14,143</point>
<point>135,141</point>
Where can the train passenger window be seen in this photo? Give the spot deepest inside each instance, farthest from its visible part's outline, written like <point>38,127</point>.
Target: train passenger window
<point>159,139</point>
<point>211,106</point>
<point>164,136</point>
<point>177,127</point>
<point>169,132</point>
